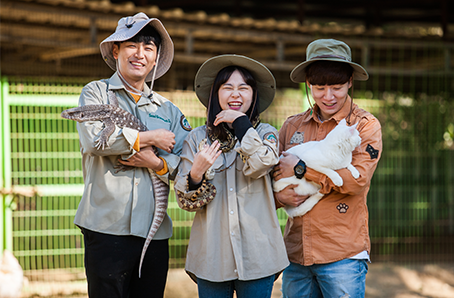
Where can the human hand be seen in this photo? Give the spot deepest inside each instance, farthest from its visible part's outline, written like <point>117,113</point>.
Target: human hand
<point>161,138</point>
<point>289,197</point>
<point>285,166</point>
<point>145,158</point>
<point>227,116</point>
<point>203,160</point>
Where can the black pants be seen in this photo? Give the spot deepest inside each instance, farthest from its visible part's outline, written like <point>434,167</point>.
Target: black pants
<point>112,266</point>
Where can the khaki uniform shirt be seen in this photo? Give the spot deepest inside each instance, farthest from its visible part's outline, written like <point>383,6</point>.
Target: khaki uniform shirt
<point>337,227</point>
<point>237,235</point>
<point>123,203</point>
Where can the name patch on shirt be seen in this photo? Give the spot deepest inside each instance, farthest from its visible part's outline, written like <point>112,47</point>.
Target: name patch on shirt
<point>185,123</point>
<point>158,117</point>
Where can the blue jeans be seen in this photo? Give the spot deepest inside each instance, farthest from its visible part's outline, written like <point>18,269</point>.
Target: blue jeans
<point>346,278</point>
<point>258,288</point>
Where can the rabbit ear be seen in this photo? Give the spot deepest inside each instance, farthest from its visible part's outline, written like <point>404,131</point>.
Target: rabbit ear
<point>343,122</point>
<point>354,125</point>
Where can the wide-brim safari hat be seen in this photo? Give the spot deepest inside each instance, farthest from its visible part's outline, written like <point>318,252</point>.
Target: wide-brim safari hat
<point>204,79</point>
<point>328,50</point>
<point>127,28</point>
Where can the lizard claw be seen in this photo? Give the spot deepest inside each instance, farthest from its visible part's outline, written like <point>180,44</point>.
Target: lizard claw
<point>100,144</point>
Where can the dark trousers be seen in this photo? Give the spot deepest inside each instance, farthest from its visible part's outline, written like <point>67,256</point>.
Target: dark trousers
<point>112,266</point>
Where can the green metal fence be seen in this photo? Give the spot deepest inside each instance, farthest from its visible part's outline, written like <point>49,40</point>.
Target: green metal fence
<point>411,201</point>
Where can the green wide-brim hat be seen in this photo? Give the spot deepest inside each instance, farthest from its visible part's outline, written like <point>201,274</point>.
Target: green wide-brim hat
<point>204,79</point>
<point>327,50</point>
<point>127,28</point>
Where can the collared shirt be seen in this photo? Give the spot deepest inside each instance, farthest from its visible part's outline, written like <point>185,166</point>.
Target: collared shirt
<point>337,226</point>
<point>237,235</point>
<point>123,203</point>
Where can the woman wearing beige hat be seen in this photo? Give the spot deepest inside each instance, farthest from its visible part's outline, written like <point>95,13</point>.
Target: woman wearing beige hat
<point>329,246</point>
<point>236,244</point>
<point>117,208</point>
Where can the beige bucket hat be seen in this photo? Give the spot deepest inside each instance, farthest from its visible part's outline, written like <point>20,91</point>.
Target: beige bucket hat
<point>204,79</point>
<point>127,28</point>
<point>331,50</point>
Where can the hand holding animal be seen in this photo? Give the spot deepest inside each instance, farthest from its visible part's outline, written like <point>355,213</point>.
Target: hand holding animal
<point>111,115</point>
<point>325,156</point>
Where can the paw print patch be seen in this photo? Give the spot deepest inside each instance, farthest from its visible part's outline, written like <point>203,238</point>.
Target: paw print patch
<point>342,208</point>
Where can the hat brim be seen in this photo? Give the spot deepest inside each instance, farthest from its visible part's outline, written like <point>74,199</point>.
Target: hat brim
<point>298,74</point>
<point>166,51</point>
<point>204,79</point>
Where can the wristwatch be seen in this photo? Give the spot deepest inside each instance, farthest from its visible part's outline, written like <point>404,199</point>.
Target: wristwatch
<point>300,169</point>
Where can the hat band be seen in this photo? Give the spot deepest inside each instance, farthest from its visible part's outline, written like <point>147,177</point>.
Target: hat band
<point>330,56</point>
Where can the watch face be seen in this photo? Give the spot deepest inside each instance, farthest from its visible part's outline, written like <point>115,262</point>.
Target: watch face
<point>299,169</point>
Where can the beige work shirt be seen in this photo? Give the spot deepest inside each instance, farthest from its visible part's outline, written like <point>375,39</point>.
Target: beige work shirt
<point>338,226</point>
<point>123,203</point>
<point>237,235</point>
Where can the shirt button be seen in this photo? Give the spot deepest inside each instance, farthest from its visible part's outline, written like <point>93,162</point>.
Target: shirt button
<point>232,233</point>
<point>231,211</point>
<point>231,189</point>
<point>137,183</point>
<point>235,271</point>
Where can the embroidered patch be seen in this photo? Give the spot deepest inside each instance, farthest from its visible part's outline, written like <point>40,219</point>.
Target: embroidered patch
<point>342,208</point>
<point>270,137</point>
<point>297,138</point>
<point>372,152</point>
<point>185,123</point>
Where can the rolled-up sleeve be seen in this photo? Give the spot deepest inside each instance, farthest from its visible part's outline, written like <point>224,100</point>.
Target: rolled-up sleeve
<point>259,151</point>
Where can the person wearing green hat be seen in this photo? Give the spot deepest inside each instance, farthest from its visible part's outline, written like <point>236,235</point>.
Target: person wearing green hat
<point>236,244</point>
<point>329,246</point>
<point>117,207</point>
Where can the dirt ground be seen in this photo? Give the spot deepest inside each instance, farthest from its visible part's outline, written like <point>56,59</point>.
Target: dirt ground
<point>384,280</point>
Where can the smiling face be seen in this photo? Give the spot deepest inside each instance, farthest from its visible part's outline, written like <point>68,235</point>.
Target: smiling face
<point>329,98</point>
<point>135,60</point>
<point>235,94</point>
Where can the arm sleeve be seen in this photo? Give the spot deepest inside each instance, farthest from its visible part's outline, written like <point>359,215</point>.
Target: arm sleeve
<point>121,141</point>
<point>364,158</point>
<point>196,197</point>
<point>181,131</point>
<point>240,126</point>
<point>258,151</point>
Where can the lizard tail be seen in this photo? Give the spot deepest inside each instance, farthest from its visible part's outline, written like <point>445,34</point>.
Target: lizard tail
<point>161,195</point>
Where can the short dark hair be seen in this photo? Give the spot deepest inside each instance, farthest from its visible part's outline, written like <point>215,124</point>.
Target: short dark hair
<point>147,35</point>
<point>328,73</point>
<point>214,107</point>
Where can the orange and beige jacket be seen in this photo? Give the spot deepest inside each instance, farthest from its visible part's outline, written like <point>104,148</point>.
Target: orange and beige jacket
<point>337,227</point>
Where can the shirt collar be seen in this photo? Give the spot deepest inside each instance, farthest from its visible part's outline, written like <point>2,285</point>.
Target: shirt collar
<point>115,83</point>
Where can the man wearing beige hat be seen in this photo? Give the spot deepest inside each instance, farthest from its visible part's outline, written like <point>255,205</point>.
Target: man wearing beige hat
<point>328,247</point>
<point>117,207</point>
